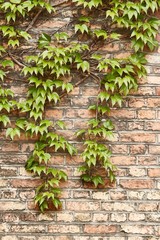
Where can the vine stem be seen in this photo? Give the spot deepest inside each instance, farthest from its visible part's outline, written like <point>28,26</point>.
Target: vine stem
<point>15,60</point>
<point>76,85</point>
<point>34,20</point>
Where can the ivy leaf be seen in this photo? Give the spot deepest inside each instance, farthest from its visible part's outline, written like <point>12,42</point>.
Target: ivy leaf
<point>5,120</point>
<point>85,66</point>
<point>80,132</point>
<point>12,132</point>
<point>53,182</point>
<point>82,28</point>
<point>97,180</point>
<point>44,40</point>
<point>61,124</point>
<point>6,63</point>
<point>56,203</point>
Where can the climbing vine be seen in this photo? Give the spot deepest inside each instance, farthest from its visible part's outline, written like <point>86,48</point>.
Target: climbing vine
<point>60,55</point>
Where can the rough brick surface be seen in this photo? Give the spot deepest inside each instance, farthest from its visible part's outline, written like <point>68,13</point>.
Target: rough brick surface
<point>128,210</point>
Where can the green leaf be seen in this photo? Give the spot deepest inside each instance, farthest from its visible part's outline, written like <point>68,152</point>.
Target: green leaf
<point>80,132</point>
<point>44,40</point>
<point>12,132</point>
<point>15,1</point>
<point>5,120</point>
<point>97,180</point>
<point>61,124</point>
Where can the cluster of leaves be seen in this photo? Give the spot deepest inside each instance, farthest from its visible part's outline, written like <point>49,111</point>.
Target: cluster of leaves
<point>137,18</point>
<point>97,155</point>
<point>6,95</point>
<point>120,76</point>
<point>58,56</point>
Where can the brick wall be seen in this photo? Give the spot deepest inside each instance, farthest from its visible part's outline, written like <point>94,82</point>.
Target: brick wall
<point>126,210</point>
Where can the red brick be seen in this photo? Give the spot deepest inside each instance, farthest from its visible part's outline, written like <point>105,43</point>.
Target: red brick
<point>138,149</point>
<point>154,172</point>
<point>154,149</point>
<point>123,149</point>
<point>155,126</point>
<point>92,229</point>
<point>158,91</point>
<point>123,160</point>
<point>54,114</point>
<point>137,137</point>
<point>146,114</point>
<point>25,183</point>
<point>122,113</point>
<point>153,102</point>
<point>147,160</point>
<point>90,91</point>
<point>52,24</point>
<point>79,113</point>
<point>10,147</point>
<point>136,102</point>
<point>137,184</point>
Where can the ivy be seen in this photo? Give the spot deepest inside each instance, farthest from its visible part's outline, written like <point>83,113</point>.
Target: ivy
<point>60,55</point>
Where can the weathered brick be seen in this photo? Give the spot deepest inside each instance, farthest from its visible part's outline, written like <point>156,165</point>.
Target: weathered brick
<point>153,195</point>
<point>21,228</point>
<point>100,195</point>
<point>8,171</point>
<point>151,58</point>
<point>136,217</point>
<point>12,206</point>
<point>4,227</point>
<point>100,217</point>
<point>118,217</point>
<point>118,207</point>
<point>148,207</point>
<point>84,206</point>
<point>46,238</point>
<point>153,80</point>
<point>137,172</point>
<point>83,217</point>
<point>136,195</point>
<point>138,229</point>
<point>65,217</point>
<point>63,228</point>
<point>153,217</point>
<point>117,195</point>
<point>11,237</point>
